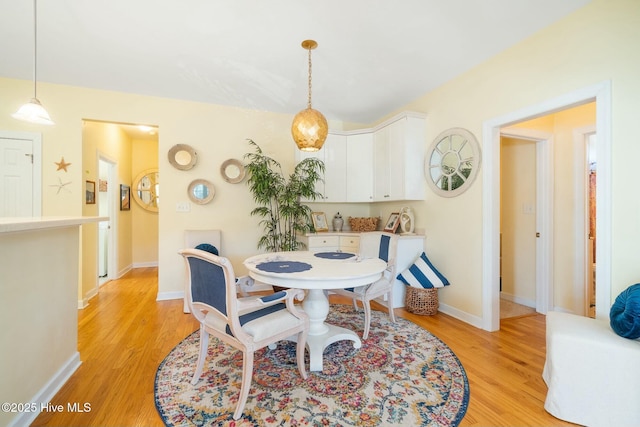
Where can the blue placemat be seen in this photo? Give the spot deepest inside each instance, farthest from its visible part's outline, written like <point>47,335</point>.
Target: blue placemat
<point>334,255</point>
<point>283,266</point>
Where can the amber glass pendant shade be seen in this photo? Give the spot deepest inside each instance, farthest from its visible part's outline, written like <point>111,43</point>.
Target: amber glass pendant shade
<point>309,129</point>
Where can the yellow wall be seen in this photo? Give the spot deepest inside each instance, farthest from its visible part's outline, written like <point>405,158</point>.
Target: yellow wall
<point>518,226</point>
<point>595,44</point>
<point>144,233</point>
<point>110,141</point>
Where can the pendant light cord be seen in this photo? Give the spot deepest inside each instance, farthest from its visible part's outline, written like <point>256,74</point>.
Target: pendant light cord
<point>309,99</point>
<point>35,48</point>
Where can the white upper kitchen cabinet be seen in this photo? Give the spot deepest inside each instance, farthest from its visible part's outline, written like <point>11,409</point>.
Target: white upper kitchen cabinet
<point>379,164</point>
<point>334,155</point>
<point>399,148</point>
<point>360,167</point>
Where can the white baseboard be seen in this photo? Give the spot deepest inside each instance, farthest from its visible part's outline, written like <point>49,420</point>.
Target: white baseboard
<point>124,271</point>
<point>145,264</point>
<point>518,300</point>
<point>46,394</point>
<point>164,296</point>
<point>461,315</point>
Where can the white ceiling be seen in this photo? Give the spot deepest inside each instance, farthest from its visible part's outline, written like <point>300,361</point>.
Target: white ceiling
<point>374,56</point>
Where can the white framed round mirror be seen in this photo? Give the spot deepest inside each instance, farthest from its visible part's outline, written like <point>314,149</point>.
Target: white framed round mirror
<point>201,191</point>
<point>146,190</point>
<point>232,171</point>
<point>452,162</point>
<point>183,157</point>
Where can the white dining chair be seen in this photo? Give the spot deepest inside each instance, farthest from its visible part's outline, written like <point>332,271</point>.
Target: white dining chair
<point>247,324</point>
<point>375,244</point>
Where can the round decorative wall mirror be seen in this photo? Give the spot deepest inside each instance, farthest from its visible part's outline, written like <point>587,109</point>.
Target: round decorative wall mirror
<point>452,162</point>
<point>183,157</point>
<point>232,171</point>
<point>201,191</point>
<point>146,190</point>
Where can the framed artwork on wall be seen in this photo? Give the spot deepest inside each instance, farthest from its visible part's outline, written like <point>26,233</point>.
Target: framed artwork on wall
<point>90,192</point>
<point>319,221</point>
<point>125,197</point>
<point>392,223</point>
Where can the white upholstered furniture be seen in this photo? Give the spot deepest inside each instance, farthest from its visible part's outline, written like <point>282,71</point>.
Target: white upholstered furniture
<point>592,373</point>
<point>247,324</point>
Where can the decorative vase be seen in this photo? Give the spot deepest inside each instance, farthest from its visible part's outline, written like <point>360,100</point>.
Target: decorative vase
<point>406,221</point>
<point>338,222</point>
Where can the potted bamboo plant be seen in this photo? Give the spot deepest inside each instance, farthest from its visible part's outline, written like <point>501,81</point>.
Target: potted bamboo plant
<point>278,198</point>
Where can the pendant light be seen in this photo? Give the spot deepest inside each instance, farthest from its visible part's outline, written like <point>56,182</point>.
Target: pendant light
<point>309,128</point>
<point>33,111</point>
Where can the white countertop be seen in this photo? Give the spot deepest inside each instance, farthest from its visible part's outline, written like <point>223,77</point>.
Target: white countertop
<point>357,233</point>
<point>11,225</point>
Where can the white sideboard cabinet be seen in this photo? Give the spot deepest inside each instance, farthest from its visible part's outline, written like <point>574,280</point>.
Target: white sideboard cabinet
<point>409,249</point>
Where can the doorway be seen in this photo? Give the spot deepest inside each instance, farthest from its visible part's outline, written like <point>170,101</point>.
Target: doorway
<point>21,174</point>
<point>108,198</point>
<point>601,95</point>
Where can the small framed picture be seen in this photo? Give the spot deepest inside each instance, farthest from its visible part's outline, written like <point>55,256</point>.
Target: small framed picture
<point>319,221</point>
<point>392,223</point>
<point>90,192</point>
<point>125,197</point>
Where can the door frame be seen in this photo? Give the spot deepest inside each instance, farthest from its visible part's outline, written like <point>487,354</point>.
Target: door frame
<point>581,213</point>
<point>36,174</point>
<point>601,94</point>
<point>544,212</point>
<point>113,208</point>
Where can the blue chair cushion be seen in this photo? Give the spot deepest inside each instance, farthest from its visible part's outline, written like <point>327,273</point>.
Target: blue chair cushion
<point>624,316</point>
<point>209,248</point>
<point>422,274</point>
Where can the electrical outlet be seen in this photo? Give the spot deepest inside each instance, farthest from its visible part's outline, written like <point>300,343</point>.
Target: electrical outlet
<point>183,207</point>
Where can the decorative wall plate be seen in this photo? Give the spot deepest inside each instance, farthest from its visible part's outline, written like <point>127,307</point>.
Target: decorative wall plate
<point>232,171</point>
<point>201,191</point>
<point>183,157</point>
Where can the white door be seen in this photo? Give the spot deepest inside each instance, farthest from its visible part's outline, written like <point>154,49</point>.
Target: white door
<point>20,174</point>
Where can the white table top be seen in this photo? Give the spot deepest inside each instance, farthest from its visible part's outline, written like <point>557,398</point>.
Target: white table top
<point>324,274</point>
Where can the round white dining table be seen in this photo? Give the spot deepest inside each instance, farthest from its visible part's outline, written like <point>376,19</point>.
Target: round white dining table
<point>317,273</point>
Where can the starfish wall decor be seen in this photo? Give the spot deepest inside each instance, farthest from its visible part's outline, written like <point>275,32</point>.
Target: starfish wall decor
<point>61,185</point>
<point>62,165</point>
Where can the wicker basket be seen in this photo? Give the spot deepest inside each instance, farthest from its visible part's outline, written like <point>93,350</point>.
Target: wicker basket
<point>421,300</point>
<point>363,224</point>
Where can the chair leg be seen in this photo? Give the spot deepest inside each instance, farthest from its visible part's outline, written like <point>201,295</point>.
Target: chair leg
<point>247,374</point>
<point>302,343</point>
<point>204,345</point>
<point>367,318</point>
<point>355,304</point>
<point>392,313</point>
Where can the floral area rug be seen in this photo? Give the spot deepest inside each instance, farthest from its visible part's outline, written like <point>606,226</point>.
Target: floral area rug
<point>401,376</point>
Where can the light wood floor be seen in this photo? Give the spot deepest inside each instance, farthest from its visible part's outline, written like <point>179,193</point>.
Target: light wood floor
<point>124,334</point>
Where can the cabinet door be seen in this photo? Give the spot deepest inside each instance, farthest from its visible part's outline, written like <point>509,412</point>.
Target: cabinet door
<point>349,244</point>
<point>360,167</point>
<point>413,162</point>
<point>335,163</point>
<point>396,156</point>
<point>381,165</point>
<point>323,243</point>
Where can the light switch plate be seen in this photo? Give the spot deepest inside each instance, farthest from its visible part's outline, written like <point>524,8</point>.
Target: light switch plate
<point>183,207</point>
